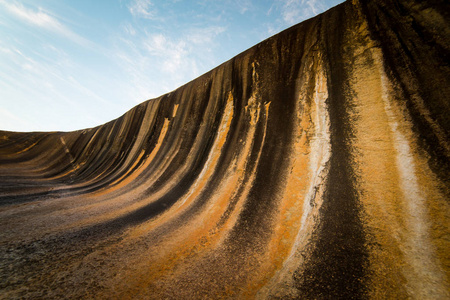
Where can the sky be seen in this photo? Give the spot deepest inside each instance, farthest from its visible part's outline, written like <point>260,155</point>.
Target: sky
<point>74,64</point>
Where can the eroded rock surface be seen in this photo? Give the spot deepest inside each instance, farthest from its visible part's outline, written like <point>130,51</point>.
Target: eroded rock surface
<point>314,165</point>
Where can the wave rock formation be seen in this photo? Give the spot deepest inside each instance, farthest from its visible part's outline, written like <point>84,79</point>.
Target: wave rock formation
<point>314,165</point>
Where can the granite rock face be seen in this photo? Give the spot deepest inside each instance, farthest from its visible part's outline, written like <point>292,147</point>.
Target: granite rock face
<point>314,165</point>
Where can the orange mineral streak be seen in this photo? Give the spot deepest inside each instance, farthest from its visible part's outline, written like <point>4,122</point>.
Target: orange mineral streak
<point>309,155</point>
<point>241,166</point>
<point>132,174</point>
<point>175,109</point>
<point>204,176</point>
<point>27,148</point>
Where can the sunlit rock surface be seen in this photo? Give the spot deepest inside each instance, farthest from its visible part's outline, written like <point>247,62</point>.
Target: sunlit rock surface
<point>314,165</point>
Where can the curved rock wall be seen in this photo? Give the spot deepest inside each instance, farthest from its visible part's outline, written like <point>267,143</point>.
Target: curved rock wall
<point>313,165</point>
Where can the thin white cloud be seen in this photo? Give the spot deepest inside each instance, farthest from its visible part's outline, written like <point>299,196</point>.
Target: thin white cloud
<point>7,116</point>
<point>44,20</point>
<point>204,35</point>
<point>182,56</point>
<point>129,29</point>
<point>148,57</point>
<point>52,87</point>
<point>314,6</point>
<point>38,18</point>
<point>5,50</point>
<point>271,31</point>
<point>142,9</point>
<point>291,12</point>
<point>172,54</point>
<point>244,5</point>
<point>295,11</point>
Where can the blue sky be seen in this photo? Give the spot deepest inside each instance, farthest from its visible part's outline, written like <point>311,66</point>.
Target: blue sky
<point>73,64</point>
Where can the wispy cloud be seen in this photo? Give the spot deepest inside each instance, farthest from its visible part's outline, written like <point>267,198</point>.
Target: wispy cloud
<point>44,20</point>
<point>294,11</point>
<point>182,56</point>
<point>205,35</point>
<point>173,53</point>
<point>9,120</point>
<point>142,9</point>
<point>243,5</point>
<point>291,12</point>
<point>128,29</point>
<point>148,57</point>
<point>51,87</point>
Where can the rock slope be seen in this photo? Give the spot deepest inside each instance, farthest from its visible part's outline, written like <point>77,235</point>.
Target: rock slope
<point>314,165</point>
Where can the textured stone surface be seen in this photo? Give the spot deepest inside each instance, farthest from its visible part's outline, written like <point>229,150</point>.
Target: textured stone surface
<point>314,165</point>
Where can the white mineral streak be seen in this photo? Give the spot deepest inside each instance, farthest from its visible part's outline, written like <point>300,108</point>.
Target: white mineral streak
<point>424,275</point>
<point>319,155</point>
<point>320,149</point>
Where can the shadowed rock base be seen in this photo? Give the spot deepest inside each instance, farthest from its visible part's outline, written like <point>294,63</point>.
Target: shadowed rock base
<point>314,165</point>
